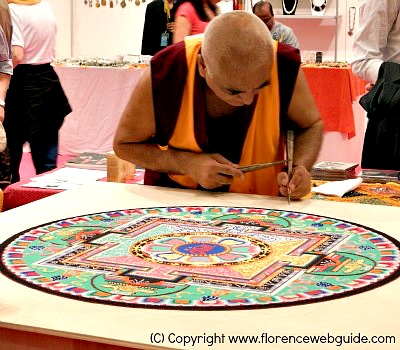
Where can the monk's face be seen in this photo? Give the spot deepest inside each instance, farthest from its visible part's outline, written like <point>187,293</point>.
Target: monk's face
<point>234,85</point>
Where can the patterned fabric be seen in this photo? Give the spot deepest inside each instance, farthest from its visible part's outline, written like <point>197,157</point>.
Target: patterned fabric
<point>366,193</point>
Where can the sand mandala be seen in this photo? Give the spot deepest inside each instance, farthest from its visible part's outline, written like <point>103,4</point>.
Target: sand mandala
<point>201,258</point>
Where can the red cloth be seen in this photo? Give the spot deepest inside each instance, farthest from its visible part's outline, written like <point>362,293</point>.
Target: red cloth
<point>15,195</point>
<point>334,90</point>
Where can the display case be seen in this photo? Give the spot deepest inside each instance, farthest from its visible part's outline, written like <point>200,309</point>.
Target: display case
<point>315,32</point>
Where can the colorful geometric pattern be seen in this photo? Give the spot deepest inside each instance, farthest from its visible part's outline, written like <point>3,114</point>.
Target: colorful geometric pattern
<point>367,193</point>
<point>201,258</point>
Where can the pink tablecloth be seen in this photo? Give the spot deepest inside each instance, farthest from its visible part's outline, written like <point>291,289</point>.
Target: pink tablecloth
<point>98,96</point>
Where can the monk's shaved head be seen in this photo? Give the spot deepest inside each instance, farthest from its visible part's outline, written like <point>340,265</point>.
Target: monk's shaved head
<point>237,44</point>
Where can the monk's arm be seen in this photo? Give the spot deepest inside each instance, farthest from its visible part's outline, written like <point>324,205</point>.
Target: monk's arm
<point>137,127</point>
<point>308,137</point>
<point>304,113</point>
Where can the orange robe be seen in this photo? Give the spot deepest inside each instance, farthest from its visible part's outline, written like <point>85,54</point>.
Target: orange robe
<point>188,127</point>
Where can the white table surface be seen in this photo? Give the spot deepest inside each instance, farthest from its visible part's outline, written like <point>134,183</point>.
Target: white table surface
<point>370,313</point>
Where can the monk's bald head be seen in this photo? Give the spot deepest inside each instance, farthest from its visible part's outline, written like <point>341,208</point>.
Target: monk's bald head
<point>237,43</point>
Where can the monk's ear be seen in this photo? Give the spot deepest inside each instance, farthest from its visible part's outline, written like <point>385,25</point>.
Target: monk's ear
<point>201,65</point>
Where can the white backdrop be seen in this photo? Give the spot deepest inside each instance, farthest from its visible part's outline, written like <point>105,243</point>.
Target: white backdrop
<point>106,32</point>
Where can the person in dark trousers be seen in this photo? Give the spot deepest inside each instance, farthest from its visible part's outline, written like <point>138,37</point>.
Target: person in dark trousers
<point>35,103</point>
<point>6,69</point>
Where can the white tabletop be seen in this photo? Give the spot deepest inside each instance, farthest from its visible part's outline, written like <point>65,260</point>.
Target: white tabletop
<point>371,313</point>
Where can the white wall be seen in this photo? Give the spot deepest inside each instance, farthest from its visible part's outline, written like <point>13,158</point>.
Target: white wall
<point>62,10</point>
<point>106,32</point>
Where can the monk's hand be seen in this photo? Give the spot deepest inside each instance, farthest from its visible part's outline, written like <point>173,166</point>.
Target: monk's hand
<point>212,170</point>
<point>299,185</point>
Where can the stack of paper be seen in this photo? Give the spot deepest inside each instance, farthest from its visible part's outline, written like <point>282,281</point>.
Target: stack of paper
<point>381,176</point>
<point>331,171</point>
<point>66,178</point>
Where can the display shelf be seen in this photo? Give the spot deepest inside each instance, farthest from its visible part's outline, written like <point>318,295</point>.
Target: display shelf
<point>295,17</point>
<point>302,14</point>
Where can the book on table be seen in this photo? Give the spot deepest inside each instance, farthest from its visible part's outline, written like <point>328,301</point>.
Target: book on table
<point>88,160</point>
<point>330,171</point>
<point>380,176</point>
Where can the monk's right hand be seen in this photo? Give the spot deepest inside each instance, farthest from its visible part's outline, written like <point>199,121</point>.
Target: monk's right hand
<point>212,170</point>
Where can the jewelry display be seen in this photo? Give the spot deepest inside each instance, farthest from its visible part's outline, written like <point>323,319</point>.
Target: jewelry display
<point>318,7</point>
<point>123,61</point>
<point>111,3</point>
<point>352,20</point>
<point>289,6</point>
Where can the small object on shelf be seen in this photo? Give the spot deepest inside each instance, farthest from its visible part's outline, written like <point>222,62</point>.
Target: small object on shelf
<point>318,7</point>
<point>318,57</point>
<point>289,6</point>
<point>352,20</point>
<point>238,5</point>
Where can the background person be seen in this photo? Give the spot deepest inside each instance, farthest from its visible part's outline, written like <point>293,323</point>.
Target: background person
<point>280,32</point>
<point>376,59</point>
<point>6,69</point>
<point>158,26</point>
<point>35,104</point>
<point>377,39</point>
<point>201,109</point>
<point>192,17</point>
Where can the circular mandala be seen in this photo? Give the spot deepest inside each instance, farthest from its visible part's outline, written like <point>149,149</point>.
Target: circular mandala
<point>201,257</point>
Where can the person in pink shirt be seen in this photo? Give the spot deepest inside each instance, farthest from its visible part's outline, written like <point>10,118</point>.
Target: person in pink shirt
<point>192,17</point>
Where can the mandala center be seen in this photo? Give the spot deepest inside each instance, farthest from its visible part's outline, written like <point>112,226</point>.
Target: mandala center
<point>201,249</point>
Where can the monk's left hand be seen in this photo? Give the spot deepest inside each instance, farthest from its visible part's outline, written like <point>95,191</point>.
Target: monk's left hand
<point>299,185</point>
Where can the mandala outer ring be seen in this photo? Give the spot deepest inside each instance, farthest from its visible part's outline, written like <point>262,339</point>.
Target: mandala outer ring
<point>12,261</point>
